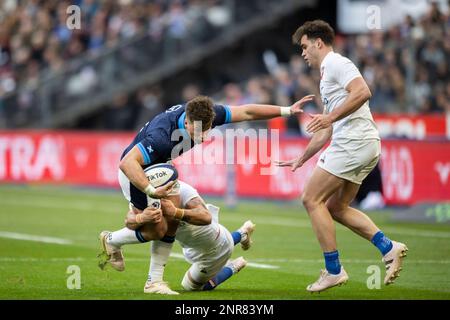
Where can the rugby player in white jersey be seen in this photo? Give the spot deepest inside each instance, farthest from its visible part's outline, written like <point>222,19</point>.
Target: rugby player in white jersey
<point>353,152</point>
<point>208,245</point>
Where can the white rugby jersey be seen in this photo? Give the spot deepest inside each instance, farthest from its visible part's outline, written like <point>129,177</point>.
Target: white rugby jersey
<point>336,73</point>
<point>200,239</point>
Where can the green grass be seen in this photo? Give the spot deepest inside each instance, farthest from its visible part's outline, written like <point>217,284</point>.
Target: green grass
<point>36,270</point>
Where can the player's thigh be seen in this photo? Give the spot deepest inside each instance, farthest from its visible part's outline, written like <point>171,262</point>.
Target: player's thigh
<point>320,186</point>
<point>136,197</point>
<point>208,265</point>
<point>343,197</point>
<point>202,271</point>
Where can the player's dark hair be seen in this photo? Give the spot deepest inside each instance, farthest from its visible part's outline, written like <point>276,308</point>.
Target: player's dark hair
<point>314,30</point>
<point>201,108</point>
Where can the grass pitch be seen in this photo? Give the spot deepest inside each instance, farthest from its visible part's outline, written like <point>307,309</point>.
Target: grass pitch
<point>285,254</point>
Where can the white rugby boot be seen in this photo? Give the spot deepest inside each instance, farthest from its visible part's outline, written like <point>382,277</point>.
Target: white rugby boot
<point>237,264</point>
<point>328,280</point>
<point>246,231</point>
<point>160,287</point>
<point>393,261</point>
<point>110,254</point>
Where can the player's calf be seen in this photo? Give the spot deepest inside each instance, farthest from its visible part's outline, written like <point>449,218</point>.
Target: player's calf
<point>229,270</point>
<point>189,284</point>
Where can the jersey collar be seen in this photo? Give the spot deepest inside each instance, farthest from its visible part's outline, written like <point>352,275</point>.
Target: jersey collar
<point>181,120</point>
<point>329,54</point>
<point>182,127</point>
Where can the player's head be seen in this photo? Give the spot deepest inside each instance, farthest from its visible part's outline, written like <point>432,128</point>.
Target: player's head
<point>316,38</point>
<point>199,117</point>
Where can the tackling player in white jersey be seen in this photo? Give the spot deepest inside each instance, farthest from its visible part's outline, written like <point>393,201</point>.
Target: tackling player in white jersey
<point>354,151</point>
<point>159,140</point>
<point>207,247</point>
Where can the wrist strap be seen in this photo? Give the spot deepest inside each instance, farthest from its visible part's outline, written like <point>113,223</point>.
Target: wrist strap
<point>285,111</point>
<point>150,190</point>
<point>179,214</point>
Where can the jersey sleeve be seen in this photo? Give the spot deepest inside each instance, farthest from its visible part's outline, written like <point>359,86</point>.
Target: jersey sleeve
<point>187,193</point>
<point>223,115</point>
<point>344,72</point>
<point>151,150</point>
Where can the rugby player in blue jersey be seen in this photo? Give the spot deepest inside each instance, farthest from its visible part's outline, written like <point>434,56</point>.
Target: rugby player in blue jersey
<point>171,133</point>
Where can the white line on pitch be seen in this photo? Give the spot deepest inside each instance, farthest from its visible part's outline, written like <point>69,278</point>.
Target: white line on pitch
<point>282,222</point>
<point>254,264</point>
<point>361,261</point>
<point>250,264</point>
<point>30,237</point>
<point>79,259</point>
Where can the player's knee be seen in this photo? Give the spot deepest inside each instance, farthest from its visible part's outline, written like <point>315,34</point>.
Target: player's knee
<point>188,285</point>
<point>309,202</point>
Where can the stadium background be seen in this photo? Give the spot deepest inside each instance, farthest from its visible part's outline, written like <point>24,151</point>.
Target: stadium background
<point>71,100</point>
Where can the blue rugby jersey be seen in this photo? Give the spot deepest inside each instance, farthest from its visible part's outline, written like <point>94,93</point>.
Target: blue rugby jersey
<point>154,139</point>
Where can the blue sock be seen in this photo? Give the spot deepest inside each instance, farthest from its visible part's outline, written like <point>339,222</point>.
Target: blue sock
<point>332,263</point>
<point>223,275</point>
<point>236,237</point>
<point>383,243</point>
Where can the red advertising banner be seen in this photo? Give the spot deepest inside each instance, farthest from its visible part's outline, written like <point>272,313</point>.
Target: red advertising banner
<point>412,171</point>
<point>278,183</point>
<point>61,157</point>
<point>413,126</point>
<point>415,171</point>
<point>209,177</point>
<point>417,127</point>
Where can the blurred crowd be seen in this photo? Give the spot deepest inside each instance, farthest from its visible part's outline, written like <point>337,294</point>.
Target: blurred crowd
<point>34,35</point>
<point>407,67</point>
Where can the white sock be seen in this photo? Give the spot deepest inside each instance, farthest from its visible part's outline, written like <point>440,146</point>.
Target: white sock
<point>123,236</point>
<point>160,254</point>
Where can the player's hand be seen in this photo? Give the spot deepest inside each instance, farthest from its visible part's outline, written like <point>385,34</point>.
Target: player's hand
<point>319,122</point>
<point>163,191</point>
<point>297,107</point>
<point>152,215</point>
<point>168,208</point>
<point>294,163</point>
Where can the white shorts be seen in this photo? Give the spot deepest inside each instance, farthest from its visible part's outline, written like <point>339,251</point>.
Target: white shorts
<point>351,160</point>
<point>136,197</point>
<point>206,266</point>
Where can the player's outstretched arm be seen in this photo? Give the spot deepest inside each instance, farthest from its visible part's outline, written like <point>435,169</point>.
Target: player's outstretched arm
<point>195,212</point>
<point>131,166</point>
<point>318,140</point>
<point>249,112</point>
